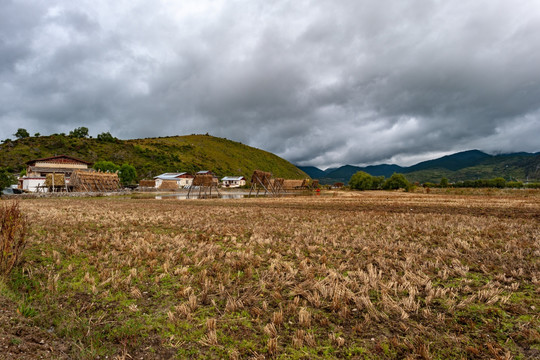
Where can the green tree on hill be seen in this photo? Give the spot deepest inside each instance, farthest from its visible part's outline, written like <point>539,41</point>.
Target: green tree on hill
<point>80,132</point>
<point>21,133</point>
<point>106,137</point>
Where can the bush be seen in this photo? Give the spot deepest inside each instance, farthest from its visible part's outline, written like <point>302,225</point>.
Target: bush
<point>80,132</point>
<point>396,181</point>
<point>106,137</point>
<point>13,231</point>
<point>361,181</point>
<point>364,181</point>
<point>21,134</point>
<point>127,174</point>
<point>106,166</point>
<point>6,178</point>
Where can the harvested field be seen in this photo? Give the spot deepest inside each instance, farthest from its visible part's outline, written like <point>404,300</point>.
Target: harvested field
<point>349,275</point>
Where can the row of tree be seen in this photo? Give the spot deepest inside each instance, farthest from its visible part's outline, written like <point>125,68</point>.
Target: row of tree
<point>80,133</point>
<point>364,181</point>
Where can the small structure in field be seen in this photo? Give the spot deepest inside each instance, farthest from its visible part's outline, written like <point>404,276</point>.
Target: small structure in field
<point>173,181</point>
<point>261,180</point>
<point>38,169</point>
<point>147,183</point>
<point>55,183</point>
<point>204,183</point>
<point>233,181</point>
<point>84,181</point>
<point>290,184</point>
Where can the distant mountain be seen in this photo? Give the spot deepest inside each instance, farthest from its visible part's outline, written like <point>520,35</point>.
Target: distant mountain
<point>466,165</point>
<point>452,162</point>
<point>312,171</point>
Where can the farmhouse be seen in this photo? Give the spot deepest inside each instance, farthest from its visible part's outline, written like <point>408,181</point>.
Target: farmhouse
<point>37,171</point>
<point>233,181</point>
<point>177,180</point>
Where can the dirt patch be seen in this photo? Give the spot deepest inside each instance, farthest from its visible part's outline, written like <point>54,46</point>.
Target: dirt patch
<point>19,339</point>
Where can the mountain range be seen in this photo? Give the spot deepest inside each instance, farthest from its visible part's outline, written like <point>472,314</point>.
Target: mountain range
<point>466,165</point>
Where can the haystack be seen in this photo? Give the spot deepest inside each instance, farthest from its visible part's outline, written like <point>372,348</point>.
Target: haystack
<point>85,181</point>
<point>169,185</point>
<point>56,180</point>
<point>147,183</point>
<point>289,184</point>
<point>203,180</point>
<point>262,180</point>
<point>204,183</point>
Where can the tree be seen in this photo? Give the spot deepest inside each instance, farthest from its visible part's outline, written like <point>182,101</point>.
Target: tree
<point>444,182</point>
<point>127,174</point>
<point>361,181</point>
<point>396,181</point>
<point>21,133</point>
<point>37,135</point>
<point>80,132</point>
<point>378,182</point>
<point>106,166</point>
<point>6,178</point>
<point>106,137</point>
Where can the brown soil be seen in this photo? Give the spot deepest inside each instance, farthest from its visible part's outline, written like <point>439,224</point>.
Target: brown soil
<point>19,339</point>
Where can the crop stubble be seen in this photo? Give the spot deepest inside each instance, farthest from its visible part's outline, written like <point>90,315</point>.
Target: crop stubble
<point>369,275</point>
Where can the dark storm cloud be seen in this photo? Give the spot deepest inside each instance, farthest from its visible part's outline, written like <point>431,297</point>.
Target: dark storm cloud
<point>317,82</point>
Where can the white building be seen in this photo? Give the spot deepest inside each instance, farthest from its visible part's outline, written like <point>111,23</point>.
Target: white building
<point>233,181</point>
<point>182,179</point>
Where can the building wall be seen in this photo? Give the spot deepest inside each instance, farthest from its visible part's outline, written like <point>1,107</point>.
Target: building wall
<point>234,183</point>
<point>62,165</point>
<point>30,184</point>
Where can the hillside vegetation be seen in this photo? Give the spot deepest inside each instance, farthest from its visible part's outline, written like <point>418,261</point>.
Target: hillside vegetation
<point>467,165</point>
<point>153,156</point>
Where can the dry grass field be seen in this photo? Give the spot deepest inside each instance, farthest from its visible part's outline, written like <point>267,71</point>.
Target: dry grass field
<point>363,275</point>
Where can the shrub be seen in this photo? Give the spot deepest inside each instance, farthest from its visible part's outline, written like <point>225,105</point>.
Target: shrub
<point>361,181</point>
<point>13,230</point>
<point>6,178</point>
<point>127,174</point>
<point>396,181</point>
<point>80,132</point>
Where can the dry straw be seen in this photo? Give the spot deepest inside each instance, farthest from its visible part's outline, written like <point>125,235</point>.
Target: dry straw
<point>168,185</point>
<point>55,180</point>
<point>147,183</point>
<point>94,181</point>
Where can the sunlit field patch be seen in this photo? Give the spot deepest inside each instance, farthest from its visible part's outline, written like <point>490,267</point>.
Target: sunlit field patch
<point>356,275</point>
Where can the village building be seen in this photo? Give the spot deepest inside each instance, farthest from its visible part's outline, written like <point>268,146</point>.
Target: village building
<point>37,171</point>
<point>215,179</point>
<point>233,181</point>
<point>183,179</point>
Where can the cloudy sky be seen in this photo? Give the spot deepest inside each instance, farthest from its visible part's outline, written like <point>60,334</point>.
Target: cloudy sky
<point>319,82</point>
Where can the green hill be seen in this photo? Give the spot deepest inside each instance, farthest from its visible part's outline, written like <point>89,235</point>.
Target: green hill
<point>466,165</point>
<point>153,156</point>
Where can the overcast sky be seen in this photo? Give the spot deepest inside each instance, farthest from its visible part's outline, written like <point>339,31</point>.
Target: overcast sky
<point>319,82</point>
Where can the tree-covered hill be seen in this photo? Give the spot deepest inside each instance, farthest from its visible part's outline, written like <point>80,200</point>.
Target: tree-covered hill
<point>466,165</point>
<point>152,156</point>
